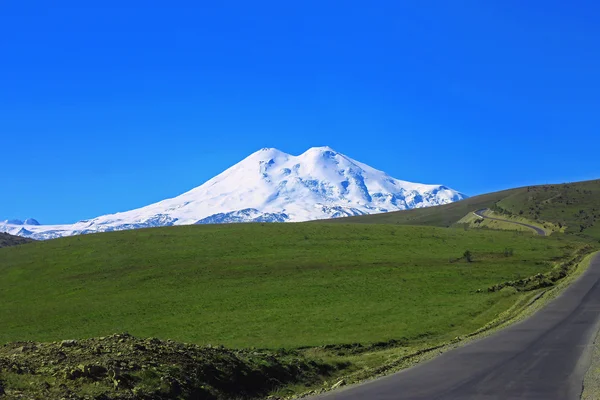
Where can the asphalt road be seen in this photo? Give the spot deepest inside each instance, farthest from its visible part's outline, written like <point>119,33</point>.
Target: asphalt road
<point>544,357</point>
<point>479,213</point>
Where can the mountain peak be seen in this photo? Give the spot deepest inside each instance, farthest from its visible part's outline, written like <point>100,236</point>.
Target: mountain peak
<point>321,149</point>
<point>269,149</point>
<point>269,186</point>
<point>267,153</point>
<point>272,153</point>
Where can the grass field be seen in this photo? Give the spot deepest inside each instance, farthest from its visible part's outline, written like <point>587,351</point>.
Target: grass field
<point>266,286</point>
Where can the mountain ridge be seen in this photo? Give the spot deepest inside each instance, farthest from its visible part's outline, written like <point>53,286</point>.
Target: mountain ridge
<point>268,186</point>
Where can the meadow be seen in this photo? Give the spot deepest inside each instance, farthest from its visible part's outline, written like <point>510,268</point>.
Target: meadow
<point>267,285</point>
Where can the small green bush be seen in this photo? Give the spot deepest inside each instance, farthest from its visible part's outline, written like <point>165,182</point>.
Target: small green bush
<point>468,256</point>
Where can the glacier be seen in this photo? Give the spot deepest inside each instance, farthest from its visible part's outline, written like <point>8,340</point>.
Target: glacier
<point>267,186</point>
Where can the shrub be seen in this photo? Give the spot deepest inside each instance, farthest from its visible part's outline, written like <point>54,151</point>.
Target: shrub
<point>468,256</point>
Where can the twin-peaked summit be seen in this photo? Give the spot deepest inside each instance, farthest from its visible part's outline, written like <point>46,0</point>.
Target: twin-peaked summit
<point>270,186</point>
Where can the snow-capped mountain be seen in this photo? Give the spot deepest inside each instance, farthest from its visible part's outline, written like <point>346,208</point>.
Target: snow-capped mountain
<point>267,186</point>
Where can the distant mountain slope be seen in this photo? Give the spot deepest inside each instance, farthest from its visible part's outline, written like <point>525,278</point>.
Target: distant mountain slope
<point>575,205</point>
<point>268,186</point>
<point>10,240</point>
<point>442,215</point>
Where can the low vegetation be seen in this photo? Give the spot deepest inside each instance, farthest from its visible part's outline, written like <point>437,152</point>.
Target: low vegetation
<point>550,278</point>
<point>124,367</point>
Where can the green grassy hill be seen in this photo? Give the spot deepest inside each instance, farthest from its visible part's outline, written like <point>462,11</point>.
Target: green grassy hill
<point>10,240</point>
<point>574,205</point>
<point>442,216</point>
<point>268,286</point>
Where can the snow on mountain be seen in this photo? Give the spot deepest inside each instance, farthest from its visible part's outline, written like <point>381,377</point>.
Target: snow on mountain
<point>268,186</point>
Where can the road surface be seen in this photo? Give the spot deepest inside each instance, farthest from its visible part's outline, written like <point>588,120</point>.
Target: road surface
<point>544,357</point>
<point>480,214</point>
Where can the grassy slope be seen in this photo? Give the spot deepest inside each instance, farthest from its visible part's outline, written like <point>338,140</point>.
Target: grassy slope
<point>124,367</point>
<point>277,285</point>
<point>443,216</point>
<point>10,240</point>
<point>473,221</point>
<point>506,223</point>
<point>576,205</point>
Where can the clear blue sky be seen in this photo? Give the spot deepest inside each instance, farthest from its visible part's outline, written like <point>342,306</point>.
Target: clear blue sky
<point>106,107</point>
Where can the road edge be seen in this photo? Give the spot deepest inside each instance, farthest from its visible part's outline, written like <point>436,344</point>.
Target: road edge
<point>536,229</point>
<point>590,363</point>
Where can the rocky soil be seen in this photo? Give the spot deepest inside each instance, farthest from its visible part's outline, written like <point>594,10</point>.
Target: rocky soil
<point>124,367</point>
<point>10,240</point>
